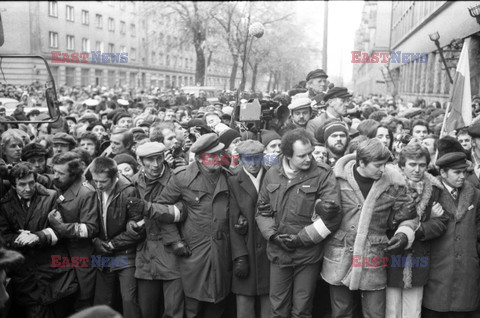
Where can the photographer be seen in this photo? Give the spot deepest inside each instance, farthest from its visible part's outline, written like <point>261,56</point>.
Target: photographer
<point>164,133</point>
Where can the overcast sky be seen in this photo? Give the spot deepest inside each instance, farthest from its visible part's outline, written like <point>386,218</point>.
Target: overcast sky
<point>343,21</point>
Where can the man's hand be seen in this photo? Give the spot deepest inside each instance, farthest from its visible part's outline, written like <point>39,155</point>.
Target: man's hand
<point>178,162</point>
<point>133,227</point>
<point>437,210</point>
<point>102,246</point>
<point>181,249</point>
<point>293,241</point>
<point>280,240</point>
<point>169,158</point>
<point>56,221</point>
<point>330,213</point>
<point>26,239</point>
<point>406,212</point>
<point>397,244</point>
<point>265,209</point>
<point>241,227</point>
<point>240,267</point>
<point>135,206</point>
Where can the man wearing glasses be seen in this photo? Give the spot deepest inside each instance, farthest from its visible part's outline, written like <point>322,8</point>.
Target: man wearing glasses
<point>336,101</point>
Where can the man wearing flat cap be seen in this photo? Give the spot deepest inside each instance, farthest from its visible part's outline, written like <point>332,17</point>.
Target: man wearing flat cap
<point>336,101</point>
<point>206,273</point>
<point>300,113</point>
<point>156,263</point>
<point>453,284</point>
<point>63,142</point>
<point>317,83</point>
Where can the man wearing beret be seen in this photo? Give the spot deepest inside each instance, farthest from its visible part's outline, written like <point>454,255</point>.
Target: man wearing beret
<point>298,207</point>
<point>206,273</point>
<point>454,279</point>
<point>317,83</point>
<point>251,279</point>
<point>300,114</point>
<point>63,142</point>
<point>157,268</point>
<point>336,101</point>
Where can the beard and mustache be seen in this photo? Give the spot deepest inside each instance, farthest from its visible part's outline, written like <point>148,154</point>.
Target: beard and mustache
<point>336,150</point>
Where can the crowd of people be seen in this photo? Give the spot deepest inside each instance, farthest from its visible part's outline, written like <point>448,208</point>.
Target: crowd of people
<point>152,204</point>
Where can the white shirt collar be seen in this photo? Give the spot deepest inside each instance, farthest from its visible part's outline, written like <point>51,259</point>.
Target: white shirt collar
<point>255,180</point>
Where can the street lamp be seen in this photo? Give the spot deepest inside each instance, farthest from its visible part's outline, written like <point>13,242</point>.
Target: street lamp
<point>435,37</point>
<point>475,12</point>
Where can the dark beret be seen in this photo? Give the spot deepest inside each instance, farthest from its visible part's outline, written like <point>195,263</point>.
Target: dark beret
<point>316,73</point>
<point>453,160</point>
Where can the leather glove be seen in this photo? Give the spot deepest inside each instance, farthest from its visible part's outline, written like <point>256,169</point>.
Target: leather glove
<point>181,249</point>
<point>56,222</point>
<point>265,209</point>
<point>178,162</point>
<point>330,214</point>
<point>280,240</point>
<point>240,267</point>
<point>408,211</point>
<point>101,246</point>
<point>133,228</point>
<point>242,225</point>
<point>293,241</point>
<point>135,206</point>
<point>397,244</point>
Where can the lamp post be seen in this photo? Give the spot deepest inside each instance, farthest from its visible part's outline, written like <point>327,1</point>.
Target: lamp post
<point>435,37</point>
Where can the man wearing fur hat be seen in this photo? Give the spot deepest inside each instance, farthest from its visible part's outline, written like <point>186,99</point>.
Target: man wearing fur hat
<point>454,280</point>
<point>405,283</point>
<point>298,207</point>
<point>374,201</point>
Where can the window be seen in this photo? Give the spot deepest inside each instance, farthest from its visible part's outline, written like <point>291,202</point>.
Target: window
<point>123,49</point>
<point>153,58</point>
<point>111,78</point>
<point>85,77</point>
<point>133,54</point>
<point>160,59</point>
<point>70,76</point>
<point>85,17</point>
<point>123,27</point>
<point>160,38</point>
<point>85,45</point>
<point>99,46</point>
<point>99,21</point>
<point>168,60</point>
<point>70,14</point>
<point>70,42</point>
<point>186,65</point>
<point>53,39</point>
<point>53,9</point>
<point>111,24</point>
<point>132,29</point>
<point>111,48</point>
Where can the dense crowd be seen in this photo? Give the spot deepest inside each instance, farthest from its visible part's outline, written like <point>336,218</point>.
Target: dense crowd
<point>152,203</point>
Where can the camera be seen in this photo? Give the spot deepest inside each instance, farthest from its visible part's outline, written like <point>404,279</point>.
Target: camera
<point>176,151</point>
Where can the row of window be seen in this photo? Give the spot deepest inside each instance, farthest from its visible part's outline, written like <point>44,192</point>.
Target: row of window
<point>70,15</point>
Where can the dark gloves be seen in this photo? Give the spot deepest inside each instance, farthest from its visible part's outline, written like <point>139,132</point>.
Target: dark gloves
<point>281,240</point>
<point>181,249</point>
<point>330,214</point>
<point>293,241</point>
<point>56,222</point>
<point>408,211</point>
<point>241,227</point>
<point>240,267</point>
<point>265,209</point>
<point>101,246</point>
<point>397,244</point>
<point>135,206</point>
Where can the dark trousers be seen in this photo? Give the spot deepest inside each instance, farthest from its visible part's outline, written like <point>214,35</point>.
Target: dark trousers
<point>200,309</point>
<point>292,290</point>
<point>157,296</point>
<point>344,304</point>
<point>105,290</point>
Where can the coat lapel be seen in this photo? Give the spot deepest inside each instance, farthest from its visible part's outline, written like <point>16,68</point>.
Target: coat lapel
<point>464,201</point>
<point>247,185</point>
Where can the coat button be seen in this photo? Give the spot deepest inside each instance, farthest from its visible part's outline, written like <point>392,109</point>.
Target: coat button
<point>351,249</point>
<point>353,227</point>
<point>359,206</point>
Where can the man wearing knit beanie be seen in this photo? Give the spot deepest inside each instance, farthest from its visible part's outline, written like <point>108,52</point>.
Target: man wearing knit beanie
<point>271,140</point>
<point>230,138</point>
<point>335,137</point>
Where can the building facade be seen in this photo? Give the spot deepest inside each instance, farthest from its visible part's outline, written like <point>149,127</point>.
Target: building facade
<point>151,56</point>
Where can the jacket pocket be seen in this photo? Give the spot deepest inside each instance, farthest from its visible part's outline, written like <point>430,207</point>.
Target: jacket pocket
<point>306,198</point>
<point>274,190</point>
<point>376,245</point>
<point>335,248</point>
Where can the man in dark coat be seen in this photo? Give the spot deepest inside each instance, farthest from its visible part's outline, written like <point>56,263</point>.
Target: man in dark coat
<point>298,207</point>
<point>206,274</point>
<point>454,281</point>
<point>115,242</point>
<point>251,267</point>
<point>75,219</point>
<point>39,287</point>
